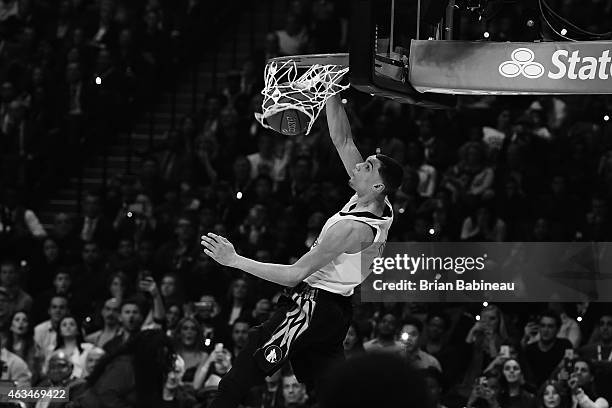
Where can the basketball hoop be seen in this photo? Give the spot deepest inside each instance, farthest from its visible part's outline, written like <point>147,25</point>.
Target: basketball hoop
<point>286,87</point>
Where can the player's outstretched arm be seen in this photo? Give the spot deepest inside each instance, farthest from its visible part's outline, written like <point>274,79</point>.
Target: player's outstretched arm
<point>340,132</point>
<point>341,237</point>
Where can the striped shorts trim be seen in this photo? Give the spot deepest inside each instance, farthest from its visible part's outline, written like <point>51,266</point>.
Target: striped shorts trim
<point>274,352</point>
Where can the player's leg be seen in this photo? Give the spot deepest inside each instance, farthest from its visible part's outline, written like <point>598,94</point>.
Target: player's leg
<point>322,345</point>
<point>245,372</point>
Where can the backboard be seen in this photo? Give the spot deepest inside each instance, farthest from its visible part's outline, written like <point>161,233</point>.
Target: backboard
<point>381,32</point>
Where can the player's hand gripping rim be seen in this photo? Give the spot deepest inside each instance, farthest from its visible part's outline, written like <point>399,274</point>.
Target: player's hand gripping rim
<point>219,249</point>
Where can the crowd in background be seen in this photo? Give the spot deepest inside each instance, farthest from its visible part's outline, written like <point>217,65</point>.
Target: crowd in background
<point>128,276</point>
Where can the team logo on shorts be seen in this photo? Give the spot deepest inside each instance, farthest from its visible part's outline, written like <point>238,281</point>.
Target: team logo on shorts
<point>521,63</point>
<point>273,354</point>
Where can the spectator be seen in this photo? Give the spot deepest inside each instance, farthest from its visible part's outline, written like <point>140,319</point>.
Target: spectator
<point>5,310</point>
<point>582,385</point>
<point>485,339</point>
<point>208,315</point>
<point>268,395</point>
<point>553,394</point>
<point>485,392</point>
<point>600,350</point>
<point>94,226</point>
<point>14,369</point>
<point>266,161</point>
<point>111,328</point>
<point>180,253</point>
<point>409,336</point>
<point>20,341</point>
<point>385,338</point>
<point>484,225</point>
<point>353,342</point>
<point>544,355</point>
<point>174,393</point>
<point>294,392</point>
<point>60,375</point>
<point>436,343</point>
<point>433,381</point>
<point>133,375</point>
<point>188,344</point>
<point>237,305</point>
<point>513,393</point>
<point>131,319</point>
<point>10,280</point>
<point>170,288</point>
<point>46,266</point>
<point>62,285</point>
<point>70,341</point>
<point>45,333</point>
<point>261,311</point>
<point>174,314</point>
<point>65,235</point>
<point>293,39</point>
<point>91,360</point>
<point>218,363</point>
<point>17,223</point>
<point>240,334</point>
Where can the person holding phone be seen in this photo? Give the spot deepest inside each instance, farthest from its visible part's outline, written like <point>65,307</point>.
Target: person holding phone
<point>582,384</point>
<point>484,392</point>
<point>218,363</point>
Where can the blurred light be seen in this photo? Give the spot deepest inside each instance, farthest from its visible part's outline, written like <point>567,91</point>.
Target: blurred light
<point>486,34</point>
<point>401,210</point>
<point>477,318</point>
<point>530,23</point>
<point>485,304</point>
<point>207,342</point>
<point>344,101</point>
<point>371,94</point>
<point>98,80</point>
<point>579,318</point>
<point>430,38</point>
<point>88,319</point>
<point>563,31</point>
<point>432,231</point>
<point>405,336</point>
<point>129,214</point>
<point>239,195</point>
<point>606,118</point>
<point>23,262</point>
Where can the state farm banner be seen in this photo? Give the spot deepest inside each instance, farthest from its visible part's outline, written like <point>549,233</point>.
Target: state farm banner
<point>466,67</point>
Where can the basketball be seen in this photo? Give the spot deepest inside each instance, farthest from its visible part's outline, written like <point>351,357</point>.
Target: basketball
<point>289,122</point>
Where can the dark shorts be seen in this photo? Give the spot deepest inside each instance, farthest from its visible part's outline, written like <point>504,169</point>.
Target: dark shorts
<point>308,329</point>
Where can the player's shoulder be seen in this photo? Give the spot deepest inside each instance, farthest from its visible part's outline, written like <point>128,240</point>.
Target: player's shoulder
<point>352,229</point>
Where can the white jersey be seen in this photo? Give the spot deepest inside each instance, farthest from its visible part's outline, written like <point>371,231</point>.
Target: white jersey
<point>345,272</point>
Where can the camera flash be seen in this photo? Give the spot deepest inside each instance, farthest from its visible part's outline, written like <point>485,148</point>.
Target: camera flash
<point>405,336</point>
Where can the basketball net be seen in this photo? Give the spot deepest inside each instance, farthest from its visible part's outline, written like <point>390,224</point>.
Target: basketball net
<point>307,93</point>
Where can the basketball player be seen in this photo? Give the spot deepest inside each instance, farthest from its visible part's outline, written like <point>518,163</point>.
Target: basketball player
<point>314,315</point>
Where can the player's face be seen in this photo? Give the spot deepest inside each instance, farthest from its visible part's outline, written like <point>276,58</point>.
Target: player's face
<point>365,176</point>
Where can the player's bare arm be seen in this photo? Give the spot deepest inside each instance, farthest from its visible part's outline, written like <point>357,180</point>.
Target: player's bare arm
<point>344,236</point>
<point>340,132</point>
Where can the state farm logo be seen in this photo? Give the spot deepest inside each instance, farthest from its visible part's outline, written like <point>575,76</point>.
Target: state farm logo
<point>521,63</point>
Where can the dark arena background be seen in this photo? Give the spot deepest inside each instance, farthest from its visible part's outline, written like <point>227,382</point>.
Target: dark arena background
<point>127,132</point>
